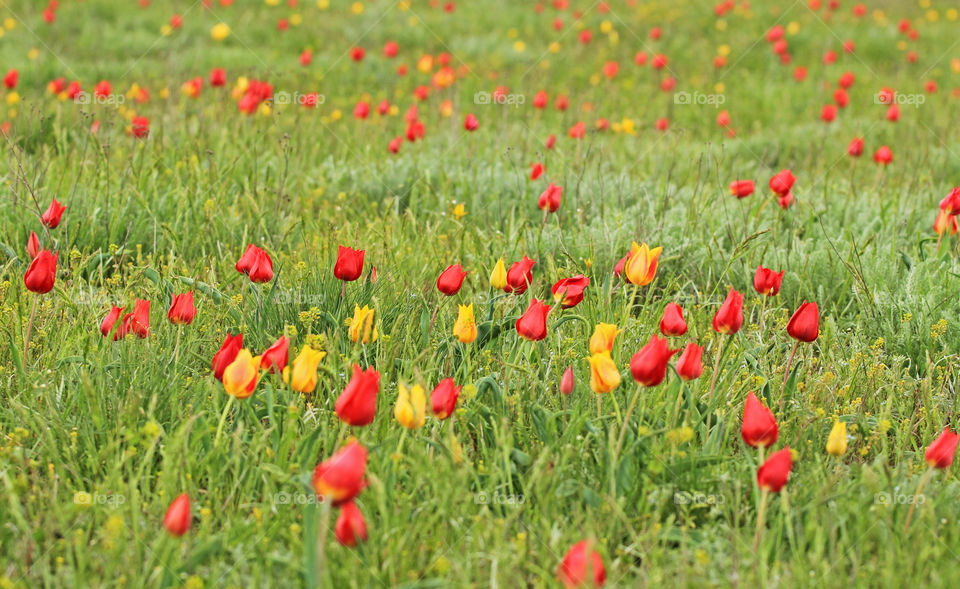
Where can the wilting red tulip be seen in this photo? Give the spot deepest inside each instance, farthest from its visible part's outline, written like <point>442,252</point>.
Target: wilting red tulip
<point>519,276</point>
<point>582,567</point>
<point>42,273</point>
<point>349,265</point>
<point>782,182</point>
<point>940,453</point>
<point>470,123</point>
<point>759,427</point>
<point>767,282</point>
<point>177,519</point>
<point>804,326</point>
<point>672,322</point>
<point>729,317</point>
<point>341,477</point>
<point>883,156</point>
<point>51,217</point>
<point>741,188</point>
<point>443,399</point>
<point>649,364</point>
<point>773,474</point>
<point>357,404</point>
<point>568,292</point>
<point>274,359</point>
<point>690,362</point>
<point>532,325</point>
<point>567,381</point>
<point>550,198</point>
<point>33,245</point>
<point>450,280</point>
<point>181,310</point>
<point>227,353</point>
<point>855,149</point>
<point>350,525</point>
<point>536,170</point>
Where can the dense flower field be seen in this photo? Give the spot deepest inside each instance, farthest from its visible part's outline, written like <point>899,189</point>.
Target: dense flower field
<point>431,293</point>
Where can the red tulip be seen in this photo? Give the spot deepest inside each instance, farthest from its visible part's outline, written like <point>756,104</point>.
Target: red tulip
<point>10,80</point>
<point>42,273</point>
<point>227,353</point>
<point>361,110</point>
<point>551,141</point>
<point>519,276</point>
<point>828,113</point>
<point>841,98</point>
<point>390,49</point>
<point>357,404</point>
<point>582,567</point>
<point>649,364</point>
<point>51,218</point>
<point>855,149</point>
<point>450,280</point>
<point>883,156</point>
<point>218,77</point>
<point>536,170</point>
<point>567,381</point>
<point>568,292</point>
<point>672,322</point>
<point>341,477</point>
<point>578,130</point>
<point>782,182</point>
<point>350,525</point>
<point>177,519</point>
<point>110,319</point>
<point>532,325</point>
<point>741,188</point>
<point>349,264</point>
<point>443,399</point>
<point>804,326</point>
<point>729,317</point>
<point>357,54</point>
<point>140,127</point>
<point>550,198</point>
<point>759,427</point>
<point>394,145</point>
<point>140,323</point>
<point>941,452</point>
<point>767,282</point>
<point>274,359</point>
<point>773,474</point>
<point>690,364</point>
<point>33,245</point>
<point>951,202</point>
<point>181,310</point>
<point>662,124</point>
<point>470,123</point>
<point>262,268</point>
<point>658,62</point>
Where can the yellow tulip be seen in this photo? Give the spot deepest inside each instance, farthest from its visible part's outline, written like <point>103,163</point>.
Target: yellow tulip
<point>837,442</point>
<point>601,342</point>
<point>303,376</point>
<point>410,409</point>
<point>240,377</point>
<point>220,31</point>
<point>362,328</point>
<point>466,326</point>
<point>604,376</point>
<point>498,279</point>
<point>641,266</point>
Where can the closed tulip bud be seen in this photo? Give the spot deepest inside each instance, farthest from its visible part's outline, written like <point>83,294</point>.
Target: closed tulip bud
<point>773,474</point>
<point>837,442</point>
<point>443,399</point>
<point>33,245</point>
<point>110,319</point>
<point>804,326</point>
<point>465,328</point>
<point>350,526</point>
<point>361,110</point>
<point>604,376</point>
<point>782,182</point>
<point>690,364</point>
<point>855,149</point>
<point>411,406</point>
<point>246,261</point>
<point>362,328</point>
<point>357,404</point>
<point>42,273</point>
<point>227,353</point>
<point>181,310</point>
<point>274,359</point>
<point>532,325</point>
<point>140,319</point>
<point>349,265</point>
<point>342,476</point>
<point>883,156</point>
<point>582,567</point>
<point>550,198</point>
<point>51,217</point>
<point>759,427</point>
<point>470,123</point>
<point>601,342</point>
<point>729,317</point>
<point>262,268</point>
<point>177,519</point>
<point>241,376</point>
<point>303,376</point>
<point>519,276</point>
<point>498,278</point>
<point>641,266</point>
<point>672,322</point>
<point>940,453</point>
<point>451,279</point>
<point>649,364</point>
<point>568,292</point>
<point>767,282</point>
<point>567,381</point>
<point>741,188</point>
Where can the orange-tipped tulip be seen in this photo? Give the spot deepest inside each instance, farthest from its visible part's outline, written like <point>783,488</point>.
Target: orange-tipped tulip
<point>341,477</point>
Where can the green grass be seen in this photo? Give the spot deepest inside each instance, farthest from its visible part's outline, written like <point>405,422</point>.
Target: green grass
<point>97,437</point>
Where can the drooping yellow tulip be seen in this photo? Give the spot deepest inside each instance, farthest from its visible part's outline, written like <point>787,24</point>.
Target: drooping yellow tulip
<point>410,409</point>
<point>362,328</point>
<point>241,376</point>
<point>465,329</point>
<point>604,376</point>
<point>837,442</point>
<point>601,342</point>
<point>498,278</point>
<point>303,376</point>
<point>641,266</point>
